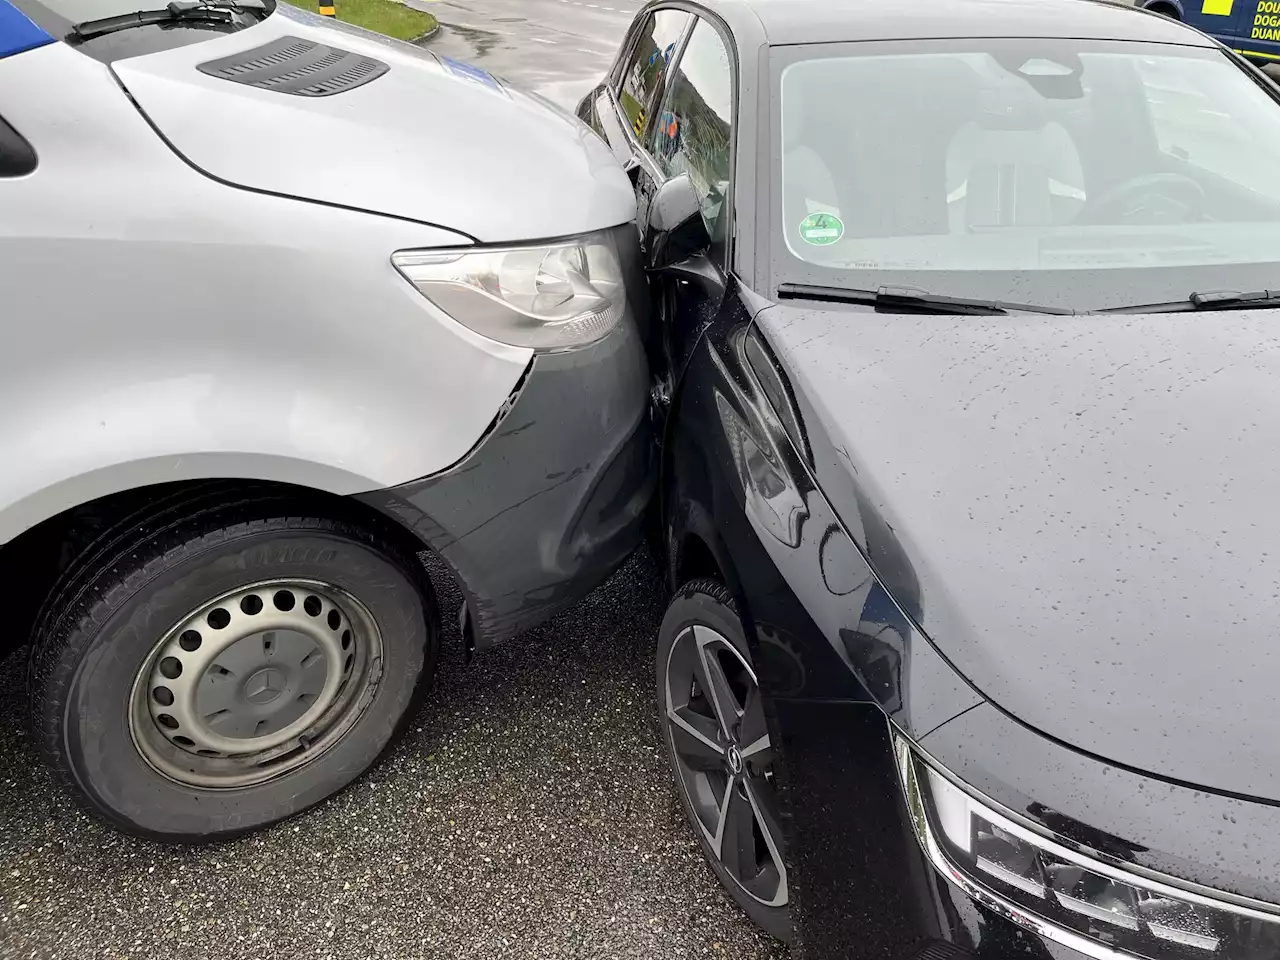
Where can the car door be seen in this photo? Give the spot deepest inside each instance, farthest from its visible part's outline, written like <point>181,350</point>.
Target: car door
<point>692,134</point>
<point>1224,19</point>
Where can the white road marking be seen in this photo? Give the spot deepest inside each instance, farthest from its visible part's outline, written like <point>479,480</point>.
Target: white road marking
<point>540,40</point>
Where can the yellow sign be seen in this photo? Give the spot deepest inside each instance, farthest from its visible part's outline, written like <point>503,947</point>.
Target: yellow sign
<point>1217,8</point>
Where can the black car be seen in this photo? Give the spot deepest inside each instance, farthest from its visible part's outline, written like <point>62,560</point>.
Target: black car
<point>968,372</point>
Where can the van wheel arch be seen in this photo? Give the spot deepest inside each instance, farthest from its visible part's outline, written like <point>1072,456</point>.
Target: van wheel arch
<point>1164,9</point>
<point>33,563</point>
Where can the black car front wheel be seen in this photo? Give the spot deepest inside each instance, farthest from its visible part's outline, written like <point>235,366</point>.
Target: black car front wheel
<point>201,676</point>
<point>718,743</point>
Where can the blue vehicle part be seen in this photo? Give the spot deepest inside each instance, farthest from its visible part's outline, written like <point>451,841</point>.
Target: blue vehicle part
<point>18,33</point>
<point>1250,27</point>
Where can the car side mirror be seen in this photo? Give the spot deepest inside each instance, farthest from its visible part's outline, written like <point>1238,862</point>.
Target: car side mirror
<point>676,230</point>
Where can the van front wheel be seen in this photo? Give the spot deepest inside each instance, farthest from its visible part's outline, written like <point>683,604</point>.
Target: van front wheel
<point>199,681</point>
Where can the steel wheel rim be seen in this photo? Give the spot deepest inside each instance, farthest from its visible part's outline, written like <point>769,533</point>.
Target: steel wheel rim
<point>724,759</point>
<point>255,683</point>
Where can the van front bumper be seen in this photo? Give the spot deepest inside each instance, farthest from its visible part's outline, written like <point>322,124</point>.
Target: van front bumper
<point>552,500</point>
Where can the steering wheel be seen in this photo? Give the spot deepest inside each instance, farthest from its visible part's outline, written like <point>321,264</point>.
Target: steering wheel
<point>1151,198</point>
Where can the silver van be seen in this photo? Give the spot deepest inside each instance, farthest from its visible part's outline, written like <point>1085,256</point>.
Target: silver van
<point>283,303</point>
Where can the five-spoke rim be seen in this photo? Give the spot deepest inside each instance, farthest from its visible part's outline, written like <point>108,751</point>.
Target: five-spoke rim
<point>724,759</point>
<point>255,683</point>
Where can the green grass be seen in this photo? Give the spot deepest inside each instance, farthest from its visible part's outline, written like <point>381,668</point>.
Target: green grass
<point>382,16</point>
<point>631,107</point>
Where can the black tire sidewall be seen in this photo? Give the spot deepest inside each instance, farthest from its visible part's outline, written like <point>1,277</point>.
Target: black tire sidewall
<point>708,605</point>
<point>99,751</point>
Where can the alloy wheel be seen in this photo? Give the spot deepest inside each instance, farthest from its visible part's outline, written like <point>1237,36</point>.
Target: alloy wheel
<point>724,759</point>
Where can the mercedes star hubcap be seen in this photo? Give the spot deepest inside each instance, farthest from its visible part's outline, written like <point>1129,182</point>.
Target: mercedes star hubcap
<point>255,683</point>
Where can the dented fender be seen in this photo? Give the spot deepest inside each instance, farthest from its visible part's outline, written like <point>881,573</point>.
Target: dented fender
<point>553,499</point>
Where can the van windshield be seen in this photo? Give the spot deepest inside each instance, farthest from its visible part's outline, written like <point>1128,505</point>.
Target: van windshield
<point>59,17</point>
<point>1077,173</point>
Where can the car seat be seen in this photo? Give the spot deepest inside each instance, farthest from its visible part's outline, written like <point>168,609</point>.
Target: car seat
<point>1012,164</point>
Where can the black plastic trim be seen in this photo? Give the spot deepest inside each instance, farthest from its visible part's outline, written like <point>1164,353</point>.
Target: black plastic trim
<point>17,157</point>
<point>299,67</point>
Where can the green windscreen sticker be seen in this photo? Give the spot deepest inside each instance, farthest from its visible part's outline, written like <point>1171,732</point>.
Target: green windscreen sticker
<point>821,229</point>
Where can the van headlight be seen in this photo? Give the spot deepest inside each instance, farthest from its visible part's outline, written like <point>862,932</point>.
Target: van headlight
<point>1081,898</point>
<point>549,296</point>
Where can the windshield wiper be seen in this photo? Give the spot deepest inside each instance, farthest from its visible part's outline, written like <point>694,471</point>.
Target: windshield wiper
<point>216,11</point>
<point>911,299</point>
<point>1206,300</point>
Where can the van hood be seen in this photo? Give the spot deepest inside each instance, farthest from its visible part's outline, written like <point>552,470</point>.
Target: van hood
<point>429,139</point>
<point>1080,512</point>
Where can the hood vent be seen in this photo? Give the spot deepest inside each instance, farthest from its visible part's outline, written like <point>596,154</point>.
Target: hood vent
<point>300,67</point>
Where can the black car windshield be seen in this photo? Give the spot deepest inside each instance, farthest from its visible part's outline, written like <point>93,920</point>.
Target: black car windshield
<point>1070,173</point>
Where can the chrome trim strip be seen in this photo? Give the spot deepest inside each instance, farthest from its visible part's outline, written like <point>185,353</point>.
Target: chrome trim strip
<point>1011,878</point>
<point>1094,912</point>
<point>1201,941</point>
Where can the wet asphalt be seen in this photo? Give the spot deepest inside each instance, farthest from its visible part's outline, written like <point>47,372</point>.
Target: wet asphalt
<point>528,812</point>
<point>557,48</point>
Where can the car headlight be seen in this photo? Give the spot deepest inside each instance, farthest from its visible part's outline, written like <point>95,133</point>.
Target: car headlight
<point>1069,894</point>
<point>549,296</point>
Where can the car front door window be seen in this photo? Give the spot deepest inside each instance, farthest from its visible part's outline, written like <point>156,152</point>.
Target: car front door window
<point>645,77</point>
<point>694,130</point>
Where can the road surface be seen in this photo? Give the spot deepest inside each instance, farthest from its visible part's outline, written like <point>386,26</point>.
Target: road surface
<point>557,48</point>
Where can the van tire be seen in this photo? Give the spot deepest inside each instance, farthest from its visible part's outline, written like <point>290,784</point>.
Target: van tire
<point>128,590</point>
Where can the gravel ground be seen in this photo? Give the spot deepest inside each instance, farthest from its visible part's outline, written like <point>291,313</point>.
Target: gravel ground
<point>528,813</point>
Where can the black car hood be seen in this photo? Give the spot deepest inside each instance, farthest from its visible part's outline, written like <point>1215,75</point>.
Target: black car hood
<point>1083,513</point>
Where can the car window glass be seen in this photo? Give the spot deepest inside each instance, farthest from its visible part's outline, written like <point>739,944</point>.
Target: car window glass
<point>645,77</point>
<point>1197,118</point>
<point>694,130</point>
<point>75,11</point>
